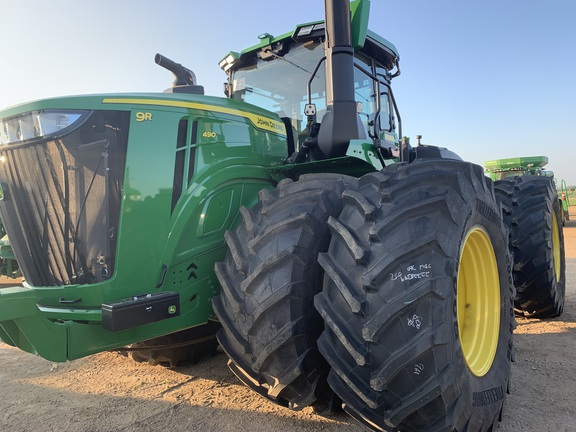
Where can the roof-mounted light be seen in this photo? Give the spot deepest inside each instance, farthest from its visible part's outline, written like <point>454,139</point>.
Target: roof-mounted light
<point>37,124</point>
<point>307,29</point>
<point>227,62</point>
<point>265,38</point>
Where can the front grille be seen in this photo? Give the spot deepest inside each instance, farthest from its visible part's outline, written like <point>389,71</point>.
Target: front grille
<point>62,201</point>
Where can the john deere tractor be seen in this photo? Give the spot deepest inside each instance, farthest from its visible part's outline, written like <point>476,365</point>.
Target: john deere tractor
<point>333,261</point>
<point>533,208</point>
<point>532,165</point>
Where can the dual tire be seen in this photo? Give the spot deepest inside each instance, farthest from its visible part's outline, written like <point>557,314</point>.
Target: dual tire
<point>418,300</point>
<point>399,297</point>
<point>533,214</point>
<point>269,279</point>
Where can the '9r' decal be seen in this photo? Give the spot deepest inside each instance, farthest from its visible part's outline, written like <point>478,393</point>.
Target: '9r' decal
<point>143,116</point>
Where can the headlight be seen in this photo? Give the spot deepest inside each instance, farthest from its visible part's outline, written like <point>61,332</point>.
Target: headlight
<point>37,124</point>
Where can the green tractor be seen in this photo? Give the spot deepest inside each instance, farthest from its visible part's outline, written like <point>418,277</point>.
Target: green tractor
<point>503,168</point>
<point>333,261</point>
<point>535,211</point>
<point>564,197</point>
<point>532,165</point>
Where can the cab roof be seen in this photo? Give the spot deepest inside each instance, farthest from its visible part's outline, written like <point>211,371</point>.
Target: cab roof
<point>363,40</point>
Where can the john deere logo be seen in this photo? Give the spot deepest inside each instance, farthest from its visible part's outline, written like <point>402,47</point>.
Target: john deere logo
<point>171,310</point>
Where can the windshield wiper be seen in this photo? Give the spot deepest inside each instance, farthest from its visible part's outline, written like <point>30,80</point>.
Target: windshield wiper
<point>288,61</point>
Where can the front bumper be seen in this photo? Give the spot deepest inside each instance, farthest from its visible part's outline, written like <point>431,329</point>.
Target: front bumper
<point>22,325</point>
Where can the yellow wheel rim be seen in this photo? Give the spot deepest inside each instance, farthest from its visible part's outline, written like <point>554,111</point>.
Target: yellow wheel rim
<point>556,247</point>
<point>478,302</point>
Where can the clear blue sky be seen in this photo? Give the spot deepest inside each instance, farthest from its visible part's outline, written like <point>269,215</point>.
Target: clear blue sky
<point>487,79</point>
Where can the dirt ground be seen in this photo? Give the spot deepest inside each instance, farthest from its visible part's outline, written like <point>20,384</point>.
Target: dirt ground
<point>108,392</point>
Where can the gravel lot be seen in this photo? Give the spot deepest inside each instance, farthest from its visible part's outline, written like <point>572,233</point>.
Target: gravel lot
<point>108,392</point>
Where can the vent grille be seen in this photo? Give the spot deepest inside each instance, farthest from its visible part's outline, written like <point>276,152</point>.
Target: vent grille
<point>62,201</point>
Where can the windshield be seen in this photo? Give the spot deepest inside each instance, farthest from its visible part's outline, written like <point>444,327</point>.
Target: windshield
<point>280,85</point>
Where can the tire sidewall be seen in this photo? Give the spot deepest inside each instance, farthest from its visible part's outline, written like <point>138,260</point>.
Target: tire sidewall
<point>557,212</point>
<point>390,299</point>
<point>485,395</point>
<point>559,283</point>
<point>530,206</point>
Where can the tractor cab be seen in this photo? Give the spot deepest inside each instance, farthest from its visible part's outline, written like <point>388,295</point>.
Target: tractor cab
<point>287,75</point>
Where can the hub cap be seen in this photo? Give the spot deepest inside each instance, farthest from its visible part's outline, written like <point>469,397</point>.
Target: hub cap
<point>556,247</point>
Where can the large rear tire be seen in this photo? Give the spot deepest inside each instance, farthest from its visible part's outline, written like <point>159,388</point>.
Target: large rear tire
<point>418,300</point>
<point>269,279</point>
<point>532,212</point>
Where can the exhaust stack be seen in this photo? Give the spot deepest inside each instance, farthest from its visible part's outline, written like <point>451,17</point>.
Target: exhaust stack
<point>341,122</point>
